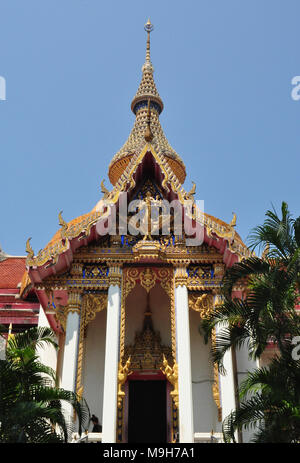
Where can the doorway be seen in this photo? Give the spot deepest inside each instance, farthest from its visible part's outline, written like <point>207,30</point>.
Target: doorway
<point>147,415</point>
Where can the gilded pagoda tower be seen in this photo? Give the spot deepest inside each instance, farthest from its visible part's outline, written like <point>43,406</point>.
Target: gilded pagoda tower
<point>126,285</point>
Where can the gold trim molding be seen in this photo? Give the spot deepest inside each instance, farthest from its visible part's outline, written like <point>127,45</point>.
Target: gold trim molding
<point>74,302</point>
<point>181,275</point>
<point>115,275</point>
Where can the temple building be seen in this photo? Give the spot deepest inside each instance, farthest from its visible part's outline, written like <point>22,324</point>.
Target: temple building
<point>16,314</point>
<point>125,293</point>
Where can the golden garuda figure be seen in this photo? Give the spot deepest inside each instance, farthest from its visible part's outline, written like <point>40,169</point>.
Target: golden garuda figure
<point>123,373</point>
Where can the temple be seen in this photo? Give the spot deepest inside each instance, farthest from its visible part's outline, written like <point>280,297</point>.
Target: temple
<point>125,293</point>
<point>16,314</point>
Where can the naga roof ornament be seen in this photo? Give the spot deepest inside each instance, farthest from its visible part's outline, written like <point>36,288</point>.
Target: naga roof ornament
<point>147,106</point>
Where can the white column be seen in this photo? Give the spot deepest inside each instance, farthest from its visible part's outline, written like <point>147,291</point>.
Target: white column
<point>227,383</point>
<point>186,422</point>
<point>68,380</point>
<point>70,352</point>
<point>109,417</point>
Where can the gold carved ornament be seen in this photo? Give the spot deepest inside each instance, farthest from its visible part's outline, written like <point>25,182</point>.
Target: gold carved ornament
<point>61,316</point>
<point>104,190</point>
<point>123,373</point>
<point>29,251</point>
<point>74,302</point>
<point>129,278</point>
<point>147,351</point>
<point>191,193</point>
<point>166,277</point>
<point>216,383</point>
<point>64,226</point>
<point>172,376</point>
<point>181,275</point>
<point>61,312</point>
<point>148,279</point>
<point>147,232</point>
<point>115,275</point>
<point>203,304</point>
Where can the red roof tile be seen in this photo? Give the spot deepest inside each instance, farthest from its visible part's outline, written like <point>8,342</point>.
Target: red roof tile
<point>11,272</point>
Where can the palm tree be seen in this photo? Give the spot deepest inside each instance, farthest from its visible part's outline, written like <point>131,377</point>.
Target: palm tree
<point>31,403</point>
<point>266,314</point>
<point>271,404</point>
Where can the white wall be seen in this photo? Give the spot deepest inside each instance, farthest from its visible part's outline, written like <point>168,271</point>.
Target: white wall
<point>93,364</point>
<point>244,364</point>
<point>136,304</point>
<point>204,406</point>
<point>47,354</point>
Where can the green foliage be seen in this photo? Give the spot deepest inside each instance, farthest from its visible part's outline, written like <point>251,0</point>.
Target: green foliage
<point>271,403</point>
<point>31,404</point>
<point>270,398</point>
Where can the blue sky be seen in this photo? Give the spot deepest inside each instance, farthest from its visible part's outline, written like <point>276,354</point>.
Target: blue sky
<point>72,67</point>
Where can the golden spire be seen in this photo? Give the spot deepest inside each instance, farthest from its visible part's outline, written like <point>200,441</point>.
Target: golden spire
<point>147,89</point>
<point>148,65</point>
<point>147,106</point>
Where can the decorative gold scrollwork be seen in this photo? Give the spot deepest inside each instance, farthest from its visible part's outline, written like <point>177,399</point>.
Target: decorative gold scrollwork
<point>129,280</point>
<point>181,276</point>
<point>74,302</point>
<point>115,275</point>
<point>165,277</point>
<point>202,303</point>
<point>148,279</point>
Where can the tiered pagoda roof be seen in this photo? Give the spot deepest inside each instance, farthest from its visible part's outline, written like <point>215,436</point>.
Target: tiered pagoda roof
<point>146,94</point>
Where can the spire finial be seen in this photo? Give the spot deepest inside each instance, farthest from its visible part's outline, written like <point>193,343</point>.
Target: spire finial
<point>148,28</point>
<point>147,88</point>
